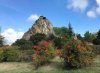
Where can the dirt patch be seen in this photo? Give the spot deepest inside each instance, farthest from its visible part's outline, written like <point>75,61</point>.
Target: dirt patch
<point>7,66</point>
<point>15,66</point>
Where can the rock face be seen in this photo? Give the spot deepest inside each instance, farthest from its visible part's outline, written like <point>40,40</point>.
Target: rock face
<point>42,25</point>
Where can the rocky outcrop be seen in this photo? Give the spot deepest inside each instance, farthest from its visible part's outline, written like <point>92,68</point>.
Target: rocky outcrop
<point>42,25</point>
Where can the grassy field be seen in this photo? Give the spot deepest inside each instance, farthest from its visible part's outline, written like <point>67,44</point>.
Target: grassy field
<point>54,67</point>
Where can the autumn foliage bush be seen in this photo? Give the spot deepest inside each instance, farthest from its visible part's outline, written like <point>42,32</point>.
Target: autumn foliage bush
<point>43,52</point>
<point>77,54</point>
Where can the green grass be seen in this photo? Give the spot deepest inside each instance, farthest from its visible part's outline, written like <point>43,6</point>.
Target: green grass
<point>55,67</point>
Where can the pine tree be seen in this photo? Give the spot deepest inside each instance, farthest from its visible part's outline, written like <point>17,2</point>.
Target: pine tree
<point>1,38</point>
<point>70,33</point>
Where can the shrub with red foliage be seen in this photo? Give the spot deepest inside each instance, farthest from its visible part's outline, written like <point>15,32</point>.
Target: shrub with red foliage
<point>44,51</point>
<point>77,54</point>
<point>44,43</point>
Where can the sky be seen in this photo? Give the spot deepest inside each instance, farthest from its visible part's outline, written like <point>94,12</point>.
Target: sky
<point>17,16</point>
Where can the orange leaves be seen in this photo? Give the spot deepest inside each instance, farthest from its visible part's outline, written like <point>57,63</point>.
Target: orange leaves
<point>77,54</point>
<point>58,52</point>
<point>88,60</point>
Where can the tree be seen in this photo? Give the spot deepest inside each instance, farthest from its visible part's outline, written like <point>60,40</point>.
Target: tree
<point>37,38</point>
<point>64,31</point>
<point>23,44</point>
<point>59,42</point>
<point>89,36</point>
<point>98,35</point>
<point>61,31</point>
<point>1,41</point>
<point>51,37</point>
<point>96,41</point>
<point>79,37</point>
<point>70,30</point>
<point>1,38</point>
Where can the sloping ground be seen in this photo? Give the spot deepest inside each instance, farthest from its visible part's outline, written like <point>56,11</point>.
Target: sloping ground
<point>54,67</point>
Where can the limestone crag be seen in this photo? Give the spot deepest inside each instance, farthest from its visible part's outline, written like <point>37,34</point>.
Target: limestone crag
<point>42,25</point>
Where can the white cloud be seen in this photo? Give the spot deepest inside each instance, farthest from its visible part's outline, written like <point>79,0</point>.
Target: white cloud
<point>94,12</point>
<point>98,10</point>
<point>78,4</point>
<point>33,18</point>
<point>91,14</point>
<point>10,35</point>
<point>98,2</point>
<point>82,5</point>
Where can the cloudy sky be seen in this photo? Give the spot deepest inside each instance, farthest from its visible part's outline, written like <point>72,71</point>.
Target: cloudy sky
<point>17,16</point>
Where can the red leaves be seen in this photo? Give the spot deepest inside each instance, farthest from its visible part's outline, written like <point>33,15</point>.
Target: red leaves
<point>43,51</point>
<point>35,46</point>
<point>77,54</point>
<point>44,43</point>
<point>41,44</point>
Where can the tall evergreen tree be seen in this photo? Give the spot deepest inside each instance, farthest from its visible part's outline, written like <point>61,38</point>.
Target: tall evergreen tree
<point>1,38</point>
<point>70,33</point>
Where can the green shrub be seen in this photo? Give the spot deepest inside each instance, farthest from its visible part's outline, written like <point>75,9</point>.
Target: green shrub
<point>25,55</point>
<point>77,54</point>
<point>37,38</point>
<point>9,54</point>
<point>59,42</point>
<point>96,41</point>
<point>1,42</point>
<point>1,55</point>
<point>96,49</point>
<point>13,54</point>
<point>51,37</point>
<point>25,47</point>
<point>61,31</point>
<point>23,44</point>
